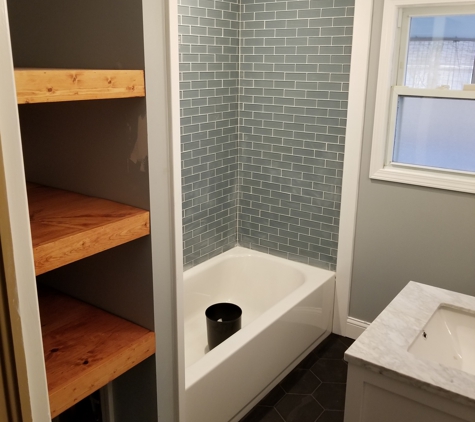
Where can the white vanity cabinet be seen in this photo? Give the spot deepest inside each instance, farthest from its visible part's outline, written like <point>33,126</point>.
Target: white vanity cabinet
<point>377,397</point>
<point>89,207</point>
<point>388,382</point>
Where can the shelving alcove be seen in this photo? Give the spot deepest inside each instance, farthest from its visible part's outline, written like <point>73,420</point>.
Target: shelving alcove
<point>87,193</point>
<point>85,347</point>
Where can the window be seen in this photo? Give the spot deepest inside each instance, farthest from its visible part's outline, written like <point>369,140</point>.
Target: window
<point>424,130</point>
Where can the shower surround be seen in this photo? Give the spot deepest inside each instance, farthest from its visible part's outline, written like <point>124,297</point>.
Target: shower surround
<point>264,87</point>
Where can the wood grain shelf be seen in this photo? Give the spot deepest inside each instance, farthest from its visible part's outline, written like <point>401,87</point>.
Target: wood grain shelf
<point>85,347</point>
<point>54,85</point>
<point>67,226</point>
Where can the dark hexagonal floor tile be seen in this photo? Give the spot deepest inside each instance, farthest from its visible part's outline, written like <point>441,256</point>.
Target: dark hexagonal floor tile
<point>299,408</point>
<point>313,392</point>
<point>308,361</point>
<point>332,348</point>
<point>346,341</point>
<point>263,414</point>
<point>330,370</point>
<point>273,396</point>
<point>300,381</point>
<point>331,396</point>
<point>331,416</point>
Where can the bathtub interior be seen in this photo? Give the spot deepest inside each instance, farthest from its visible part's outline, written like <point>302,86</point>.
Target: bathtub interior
<point>242,280</point>
<point>254,281</point>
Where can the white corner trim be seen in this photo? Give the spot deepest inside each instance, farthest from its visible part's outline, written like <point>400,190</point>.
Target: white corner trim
<point>355,327</point>
<point>351,164</point>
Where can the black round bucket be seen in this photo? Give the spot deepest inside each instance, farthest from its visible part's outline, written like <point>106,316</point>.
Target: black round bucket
<point>222,321</point>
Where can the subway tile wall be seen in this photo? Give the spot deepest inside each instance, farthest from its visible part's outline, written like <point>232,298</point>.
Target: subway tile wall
<point>264,93</point>
<point>209,78</point>
<point>295,58</point>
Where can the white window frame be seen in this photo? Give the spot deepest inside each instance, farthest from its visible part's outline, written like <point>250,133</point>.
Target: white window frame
<point>394,42</point>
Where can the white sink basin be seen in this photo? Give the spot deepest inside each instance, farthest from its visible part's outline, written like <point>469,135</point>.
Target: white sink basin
<point>448,338</point>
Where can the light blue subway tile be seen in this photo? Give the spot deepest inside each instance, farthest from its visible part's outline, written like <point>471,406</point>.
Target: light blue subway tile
<point>297,23</point>
<point>310,50</point>
<point>275,58</point>
<point>287,14</point>
<point>323,22</point>
<point>295,93</point>
<point>253,25</point>
<point>221,5</point>
<point>341,96</point>
<point>298,4</point>
<point>215,32</point>
<point>331,49</point>
<point>321,4</point>
<point>275,24</point>
<point>343,59</point>
<point>275,41</point>
<point>346,21</point>
<point>330,68</point>
<point>265,16</point>
<point>309,32</point>
<point>197,11</point>
<point>274,6</point>
<point>230,16</point>
<point>312,13</point>
<point>264,33</point>
<point>320,58</point>
<point>286,33</point>
<point>333,32</point>
<point>320,41</point>
<point>265,67</point>
<point>250,8</point>
<point>330,86</point>
<point>264,83</point>
<point>183,10</point>
<point>296,59</point>
<point>286,50</point>
<point>284,84</point>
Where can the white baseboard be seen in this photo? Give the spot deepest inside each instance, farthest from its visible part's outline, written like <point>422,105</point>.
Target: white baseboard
<point>355,327</point>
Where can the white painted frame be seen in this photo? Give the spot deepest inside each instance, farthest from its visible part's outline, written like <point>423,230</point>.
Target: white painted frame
<point>342,324</point>
<point>17,250</point>
<point>163,125</point>
<point>394,36</point>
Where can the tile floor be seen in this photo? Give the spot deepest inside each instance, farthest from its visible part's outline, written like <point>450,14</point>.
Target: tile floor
<point>313,392</point>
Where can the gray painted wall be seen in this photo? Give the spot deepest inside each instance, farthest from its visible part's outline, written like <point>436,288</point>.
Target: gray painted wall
<point>406,232</point>
<point>293,62</point>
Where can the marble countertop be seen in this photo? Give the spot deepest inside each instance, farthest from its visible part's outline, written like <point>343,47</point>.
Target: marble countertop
<point>383,346</point>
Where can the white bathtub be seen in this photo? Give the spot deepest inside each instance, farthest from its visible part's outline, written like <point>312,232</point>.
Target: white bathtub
<point>287,310</point>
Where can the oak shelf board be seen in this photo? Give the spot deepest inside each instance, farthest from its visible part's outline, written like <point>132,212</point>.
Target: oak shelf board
<point>67,226</point>
<point>85,347</point>
<point>55,85</point>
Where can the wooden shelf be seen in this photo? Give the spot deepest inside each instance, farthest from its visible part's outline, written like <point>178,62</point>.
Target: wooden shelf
<point>53,85</point>
<point>85,347</point>
<point>67,226</point>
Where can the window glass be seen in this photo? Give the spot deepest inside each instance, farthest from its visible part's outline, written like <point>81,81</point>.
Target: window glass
<point>435,132</point>
<point>441,52</point>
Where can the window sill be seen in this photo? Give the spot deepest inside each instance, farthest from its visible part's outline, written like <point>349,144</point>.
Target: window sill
<point>459,182</point>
